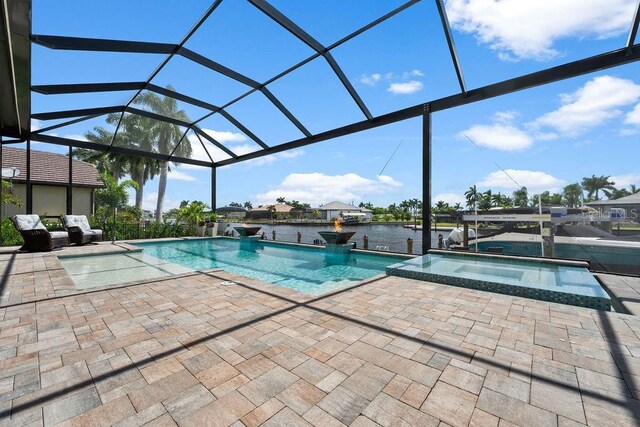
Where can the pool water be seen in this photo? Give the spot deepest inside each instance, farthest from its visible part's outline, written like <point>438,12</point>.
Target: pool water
<point>309,270</point>
<point>102,270</point>
<point>538,279</point>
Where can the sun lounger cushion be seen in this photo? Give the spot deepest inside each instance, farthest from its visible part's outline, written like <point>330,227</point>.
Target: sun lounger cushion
<point>28,222</point>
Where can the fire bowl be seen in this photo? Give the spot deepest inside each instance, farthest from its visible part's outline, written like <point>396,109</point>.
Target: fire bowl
<point>336,237</point>
<point>247,231</point>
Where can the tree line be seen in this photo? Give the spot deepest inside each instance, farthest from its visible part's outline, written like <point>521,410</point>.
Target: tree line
<point>572,196</point>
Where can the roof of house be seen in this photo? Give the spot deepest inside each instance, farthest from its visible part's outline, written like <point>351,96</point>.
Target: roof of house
<point>49,167</point>
<point>633,199</point>
<point>231,209</point>
<point>340,206</point>
<point>280,208</point>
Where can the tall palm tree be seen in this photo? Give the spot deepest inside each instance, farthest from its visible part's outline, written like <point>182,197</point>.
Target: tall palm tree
<point>594,184</point>
<point>472,196</point>
<point>114,164</point>
<point>521,197</point>
<point>136,132</point>
<point>572,195</point>
<point>166,136</point>
<point>497,200</point>
<point>616,194</point>
<point>484,202</point>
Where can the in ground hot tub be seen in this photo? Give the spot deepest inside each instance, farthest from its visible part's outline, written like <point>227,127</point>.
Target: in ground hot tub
<point>566,282</point>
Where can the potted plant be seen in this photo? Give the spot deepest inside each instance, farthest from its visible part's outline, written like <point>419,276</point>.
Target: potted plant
<point>212,225</point>
<point>201,228</point>
<point>193,215</point>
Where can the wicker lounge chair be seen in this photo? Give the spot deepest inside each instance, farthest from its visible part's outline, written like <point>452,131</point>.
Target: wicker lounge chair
<point>80,232</point>
<point>36,236</point>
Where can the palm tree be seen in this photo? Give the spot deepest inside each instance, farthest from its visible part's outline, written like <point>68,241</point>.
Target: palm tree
<point>472,196</point>
<point>485,201</point>
<point>633,189</point>
<point>136,131</point>
<point>166,136</point>
<point>521,197</point>
<point>115,164</point>
<point>596,183</point>
<point>193,213</point>
<point>616,194</point>
<point>500,200</point>
<point>572,195</point>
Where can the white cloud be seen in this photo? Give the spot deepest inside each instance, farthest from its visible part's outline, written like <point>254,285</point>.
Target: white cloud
<point>451,198</point>
<point>317,188</point>
<point>150,202</point>
<point>535,181</point>
<point>386,179</point>
<point>624,181</point>
<point>370,79</point>
<point>519,29</point>
<point>405,88</point>
<point>36,125</point>
<point>180,176</point>
<point>505,116</point>
<point>633,116</point>
<point>504,137</point>
<point>225,136</point>
<point>594,103</point>
<point>413,73</point>
<point>272,158</point>
<point>629,132</point>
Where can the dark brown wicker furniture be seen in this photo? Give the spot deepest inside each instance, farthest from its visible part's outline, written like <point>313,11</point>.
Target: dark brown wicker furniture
<point>79,230</point>
<point>36,236</point>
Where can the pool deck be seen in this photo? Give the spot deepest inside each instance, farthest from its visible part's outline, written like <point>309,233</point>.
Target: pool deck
<point>197,351</point>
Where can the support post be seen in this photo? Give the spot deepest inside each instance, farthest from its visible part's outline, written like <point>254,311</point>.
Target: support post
<point>70,184</point>
<point>1,189</point>
<point>426,178</point>
<point>213,189</point>
<point>29,201</point>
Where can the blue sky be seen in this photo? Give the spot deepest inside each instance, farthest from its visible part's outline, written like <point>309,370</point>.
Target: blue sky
<point>543,138</point>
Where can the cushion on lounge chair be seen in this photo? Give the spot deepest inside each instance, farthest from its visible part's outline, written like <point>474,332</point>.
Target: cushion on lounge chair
<point>36,236</point>
<point>80,232</point>
<point>79,221</point>
<point>28,222</point>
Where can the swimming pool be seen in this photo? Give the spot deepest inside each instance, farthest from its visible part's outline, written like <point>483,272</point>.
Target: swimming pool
<point>563,282</point>
<point>306,269</point>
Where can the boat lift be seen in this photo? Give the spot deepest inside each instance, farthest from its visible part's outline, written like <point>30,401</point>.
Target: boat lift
<point>556,216</point>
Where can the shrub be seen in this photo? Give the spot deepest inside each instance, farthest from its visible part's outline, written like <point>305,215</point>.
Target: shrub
<point>9,235</point>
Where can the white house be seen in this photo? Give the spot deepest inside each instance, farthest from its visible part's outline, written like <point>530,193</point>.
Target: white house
<point>333,210</point>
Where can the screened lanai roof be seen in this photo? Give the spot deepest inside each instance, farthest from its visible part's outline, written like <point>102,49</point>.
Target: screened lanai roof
<point>257,77</point>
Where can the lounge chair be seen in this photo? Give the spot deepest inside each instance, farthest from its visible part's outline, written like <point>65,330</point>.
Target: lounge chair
<point>80,232</point>
<point>36,236</point>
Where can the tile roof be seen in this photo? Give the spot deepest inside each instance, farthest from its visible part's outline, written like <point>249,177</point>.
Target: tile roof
<point>280,208</point>
<point>49,167</point>
<point>338,206</point>
<point>633,199</point>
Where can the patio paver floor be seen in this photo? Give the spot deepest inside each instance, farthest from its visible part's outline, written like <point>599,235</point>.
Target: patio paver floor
<point>391,351</point>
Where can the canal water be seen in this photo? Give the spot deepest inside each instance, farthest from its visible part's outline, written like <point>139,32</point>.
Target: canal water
<point>386,237</point>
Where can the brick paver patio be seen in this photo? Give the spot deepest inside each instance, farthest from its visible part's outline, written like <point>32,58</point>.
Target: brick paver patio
<point>196,351</point>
